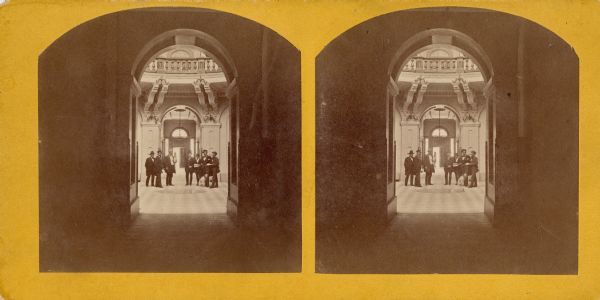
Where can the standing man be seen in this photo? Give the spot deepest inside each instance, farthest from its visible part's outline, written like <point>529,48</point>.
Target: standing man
<point>428,168</point>
<point>214,170</point>
<point>473,169</point>
<point>417,168</point>
<point>169,163</point>
<point>189,169</point>
<point>150,169</point>
<point>197,165</point>
<point>448,167</point>
<point>158,166</point>
<point>463,167</point>
<point>408,169</point>
<point>204,166</point>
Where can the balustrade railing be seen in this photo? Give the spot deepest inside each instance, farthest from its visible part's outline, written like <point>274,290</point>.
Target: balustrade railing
<point>183,66</point>
<point>440,65</point>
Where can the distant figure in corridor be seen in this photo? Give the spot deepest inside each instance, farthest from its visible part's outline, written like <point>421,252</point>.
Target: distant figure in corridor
<point>473,169</point>
<point>169,163</point>
<point>158,167</point>
<point>463,168</point>
<point>428,167</point>
<point>448,169</point>
<point>213,170</point>
<point>205,161</point>
<point>408,169</point>
<point>150,176</point>
<point>189,169</point>
<point>417,168</point>
<point>197,167</point>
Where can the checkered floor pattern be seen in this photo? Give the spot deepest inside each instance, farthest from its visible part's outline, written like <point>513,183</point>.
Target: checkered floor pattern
<point>439,198</point>
<point>182,199</point>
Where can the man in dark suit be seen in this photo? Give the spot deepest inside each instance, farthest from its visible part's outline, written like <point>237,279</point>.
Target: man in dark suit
<point>204,166</point>
<point>197,167</point>
<point>150,177</point>
<point>448,168</point>
<point>158,167</point>
<point>169,163</point>
<point>408,169</point>
<point>473,169</point>
<point>463,167</point>
<point>428,168</point>
<point>417,168</point>
<point>213,170</point>
<point>189,169</point>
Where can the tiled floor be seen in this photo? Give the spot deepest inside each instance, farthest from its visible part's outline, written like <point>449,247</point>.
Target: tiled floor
<point>439,198</point>
<point>182,199</point>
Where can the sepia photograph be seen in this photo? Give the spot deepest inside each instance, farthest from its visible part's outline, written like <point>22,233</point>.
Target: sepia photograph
<point>447,142</point>
<point>169,141</point>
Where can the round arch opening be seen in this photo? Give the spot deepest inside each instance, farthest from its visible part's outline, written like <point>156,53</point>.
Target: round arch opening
<point>189,37</point>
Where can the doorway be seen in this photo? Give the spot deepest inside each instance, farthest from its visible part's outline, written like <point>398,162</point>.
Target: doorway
<point>444,103</point>
<point>184,96</point>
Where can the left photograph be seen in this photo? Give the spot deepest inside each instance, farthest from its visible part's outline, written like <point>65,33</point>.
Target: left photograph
<point>169,141</point>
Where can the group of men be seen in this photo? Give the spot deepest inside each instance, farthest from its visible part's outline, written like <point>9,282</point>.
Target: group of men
<point>464,167</point>
<point>204,166</point>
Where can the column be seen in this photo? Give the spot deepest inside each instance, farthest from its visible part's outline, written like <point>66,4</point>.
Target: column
<point>211,138</point>
<point>469,136</point>
<point>409,131</point>
<point>150,138</point>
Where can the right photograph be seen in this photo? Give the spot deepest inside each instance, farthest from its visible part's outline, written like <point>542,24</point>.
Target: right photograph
<point>447,143</point>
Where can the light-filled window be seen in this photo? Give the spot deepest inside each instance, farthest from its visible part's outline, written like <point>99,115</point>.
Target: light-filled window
<point>179,133</point>
<point>439,132</point>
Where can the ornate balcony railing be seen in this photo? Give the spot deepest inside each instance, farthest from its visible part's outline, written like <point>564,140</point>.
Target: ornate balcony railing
<point>440,65</point>
<point>183,66</point>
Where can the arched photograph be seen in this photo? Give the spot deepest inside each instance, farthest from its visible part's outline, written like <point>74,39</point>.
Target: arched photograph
<point>447,142</point>
<point>169,141</point>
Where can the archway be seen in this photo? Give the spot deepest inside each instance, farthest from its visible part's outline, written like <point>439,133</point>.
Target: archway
<point>183,81</point>
<point>439,74</point>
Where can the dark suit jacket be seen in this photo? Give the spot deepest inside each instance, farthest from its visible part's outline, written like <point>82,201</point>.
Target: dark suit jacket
<point>408,165</point>
<point>428,164</point>
<point>205,160</point>
<point>189,165</point>
<point>158,165</point>
<point>416,165</point>
<point>214,167</point>
<point>195,162</point>
<point>474,166</point>
<point>463,160</point>
<point>448,163</point>
<point>169,165</point>
<point>149,165</point>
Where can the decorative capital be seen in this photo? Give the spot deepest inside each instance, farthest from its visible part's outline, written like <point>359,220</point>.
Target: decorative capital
<point>209,117</point>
